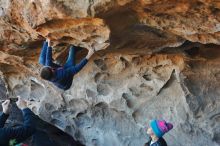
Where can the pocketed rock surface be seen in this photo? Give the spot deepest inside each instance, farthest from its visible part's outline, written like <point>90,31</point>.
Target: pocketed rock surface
<point>162,62</point>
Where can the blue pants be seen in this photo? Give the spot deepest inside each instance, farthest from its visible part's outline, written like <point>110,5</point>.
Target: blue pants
<point>71,60</point>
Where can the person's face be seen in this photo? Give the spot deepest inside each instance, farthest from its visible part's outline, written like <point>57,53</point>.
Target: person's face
<point>150,131</point>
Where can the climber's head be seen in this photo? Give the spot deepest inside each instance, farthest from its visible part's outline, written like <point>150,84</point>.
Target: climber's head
<point>46,73</point>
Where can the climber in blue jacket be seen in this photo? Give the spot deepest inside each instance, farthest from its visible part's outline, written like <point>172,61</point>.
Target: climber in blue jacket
<point>61,76</point>
<point>18,134</point>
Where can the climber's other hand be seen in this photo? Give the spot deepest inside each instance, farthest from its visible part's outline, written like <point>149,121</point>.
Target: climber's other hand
<point>6,106</point>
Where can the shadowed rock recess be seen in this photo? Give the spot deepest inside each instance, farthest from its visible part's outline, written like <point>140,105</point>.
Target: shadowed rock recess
<point>163,61</point>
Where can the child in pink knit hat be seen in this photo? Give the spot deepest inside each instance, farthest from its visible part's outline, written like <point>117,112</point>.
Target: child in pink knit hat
<point>156,131</point>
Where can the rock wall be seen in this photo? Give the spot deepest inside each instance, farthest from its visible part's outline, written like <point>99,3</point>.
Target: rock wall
<point>159,64</point>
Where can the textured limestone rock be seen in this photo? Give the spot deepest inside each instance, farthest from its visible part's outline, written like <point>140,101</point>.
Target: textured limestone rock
<point>87,32</point>
<point>196,20</point>
<point>128,33</point>
<point>150,70</point>
<point>19,19</point>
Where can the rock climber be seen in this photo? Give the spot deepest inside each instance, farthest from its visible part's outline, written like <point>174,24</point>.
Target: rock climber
<point>11,136</point>
<point>61,76</point>
<point>156,131</point>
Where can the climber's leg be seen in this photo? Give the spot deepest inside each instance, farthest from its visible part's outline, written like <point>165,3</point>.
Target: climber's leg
<point>76,68</point>
<point>71,60</point>
<point>42,58</point>
<point>71,57</point>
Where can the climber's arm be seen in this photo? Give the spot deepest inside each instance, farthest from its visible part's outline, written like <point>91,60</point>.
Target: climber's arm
<point>3,118</point>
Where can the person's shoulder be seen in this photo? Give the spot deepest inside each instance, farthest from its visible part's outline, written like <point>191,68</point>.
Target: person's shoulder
<point>147,144</point>
<point>162,142</point>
